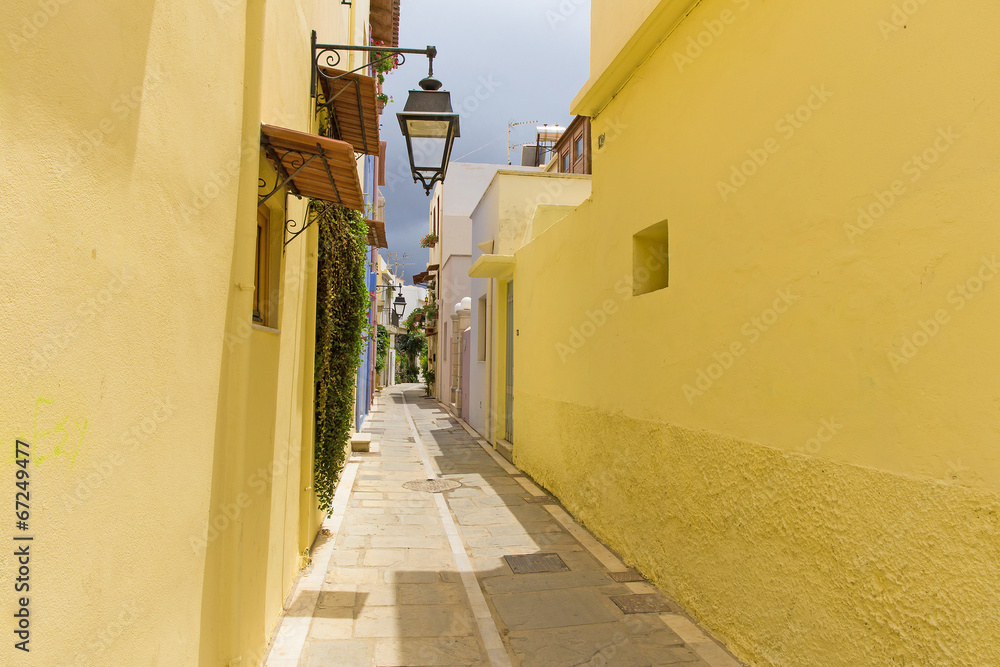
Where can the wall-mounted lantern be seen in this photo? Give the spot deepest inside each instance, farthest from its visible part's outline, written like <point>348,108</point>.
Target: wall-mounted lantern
<point>427,121</point>
<point>399,305</point>
<point>430,128</point>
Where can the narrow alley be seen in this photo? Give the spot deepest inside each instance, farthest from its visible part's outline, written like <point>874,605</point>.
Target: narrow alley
<point>439,552</point>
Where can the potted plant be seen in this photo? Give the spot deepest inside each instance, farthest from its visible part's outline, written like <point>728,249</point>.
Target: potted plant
<point>429,241</point>
<point>382,64</point>
<point>381,99</point>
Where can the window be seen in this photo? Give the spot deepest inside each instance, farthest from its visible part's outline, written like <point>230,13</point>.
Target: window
<point>565,163</point>
<point>578,148</point>
<point>261,279</point>
<point>481,330</point>
<point>267,265</point>
<point>650,259</point>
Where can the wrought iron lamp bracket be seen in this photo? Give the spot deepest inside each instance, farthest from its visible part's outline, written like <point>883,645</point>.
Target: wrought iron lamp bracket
<point>332,57</point>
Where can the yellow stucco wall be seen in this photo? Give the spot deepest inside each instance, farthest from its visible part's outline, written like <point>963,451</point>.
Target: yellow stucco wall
<point>611,27</point>
<point>268,406</point>
<point>509,209</point>
<point>172,439</point>
<point>114,300</point>
<point>796,438</point>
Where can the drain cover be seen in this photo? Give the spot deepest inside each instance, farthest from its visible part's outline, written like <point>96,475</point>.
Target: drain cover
<point>627,575</point>
<point>540,499</point>
<point>431,485</point>
<point>642,603</point>
<point>531,563</point>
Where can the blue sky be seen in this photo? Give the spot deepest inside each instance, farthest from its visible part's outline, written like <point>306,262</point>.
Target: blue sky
<point>512,61</point>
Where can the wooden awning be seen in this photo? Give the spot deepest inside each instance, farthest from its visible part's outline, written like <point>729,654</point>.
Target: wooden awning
<point>384,17</point>
<point>376,234</point>
<point>313,166</point>
<point>353,108</point>
<point>421,278</point>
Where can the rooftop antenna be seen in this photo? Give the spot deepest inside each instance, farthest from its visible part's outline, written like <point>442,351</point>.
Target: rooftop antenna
<point>510,125</point>
<point>398,260</point>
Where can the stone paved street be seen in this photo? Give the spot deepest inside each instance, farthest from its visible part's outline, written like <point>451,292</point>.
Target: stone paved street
<point>411,577</point>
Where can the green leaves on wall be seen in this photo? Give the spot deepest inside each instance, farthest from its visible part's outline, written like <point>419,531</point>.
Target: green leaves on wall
<point>342,303</point>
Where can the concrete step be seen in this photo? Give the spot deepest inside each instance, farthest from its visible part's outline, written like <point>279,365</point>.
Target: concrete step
<point>361,442</point>
<point>506,450</point>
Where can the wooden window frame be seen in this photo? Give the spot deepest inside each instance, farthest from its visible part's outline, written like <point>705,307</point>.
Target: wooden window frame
<point>262,275</point>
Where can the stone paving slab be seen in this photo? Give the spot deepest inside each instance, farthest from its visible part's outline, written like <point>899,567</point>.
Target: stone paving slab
<point>530,610</point>
<point>395,591</point>
<point>546,581</point>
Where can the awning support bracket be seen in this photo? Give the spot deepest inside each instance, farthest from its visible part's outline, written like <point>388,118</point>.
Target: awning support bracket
<point>291,152</point>
<point>284,178</point>
<point>292,228</point>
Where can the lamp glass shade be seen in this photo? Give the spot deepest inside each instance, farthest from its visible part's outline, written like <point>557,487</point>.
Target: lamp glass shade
<point>430,128</point>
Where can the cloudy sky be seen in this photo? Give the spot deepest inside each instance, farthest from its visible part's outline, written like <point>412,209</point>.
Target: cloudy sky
<point>511,61</point>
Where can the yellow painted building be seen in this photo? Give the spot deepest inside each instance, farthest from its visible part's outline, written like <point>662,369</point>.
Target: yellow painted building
<point>166,396</point>
<point>515,206</point>
<point>765,371</point>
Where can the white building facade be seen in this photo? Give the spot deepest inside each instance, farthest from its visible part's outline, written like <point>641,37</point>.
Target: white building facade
<point>448,266</point>
<point>514,208</point>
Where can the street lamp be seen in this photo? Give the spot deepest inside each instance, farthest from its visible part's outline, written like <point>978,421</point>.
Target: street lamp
<point>399,306</point>
<point>430,128</point>
<point>427,120</point>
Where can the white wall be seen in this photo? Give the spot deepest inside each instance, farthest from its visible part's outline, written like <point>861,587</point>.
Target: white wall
<point>466,183</point>
<point>457,197</point>
<point>454,285</point>
<point>504,216</point>
<point>485,227</point>
<point>415,297</point>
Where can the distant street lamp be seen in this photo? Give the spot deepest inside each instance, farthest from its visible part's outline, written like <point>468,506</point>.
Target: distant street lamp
<point>430,128</point>
<point>399,306</point>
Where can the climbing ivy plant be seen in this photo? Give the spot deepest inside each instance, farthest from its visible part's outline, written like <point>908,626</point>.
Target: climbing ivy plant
<point>342,303</point>
<point>381,348</point>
